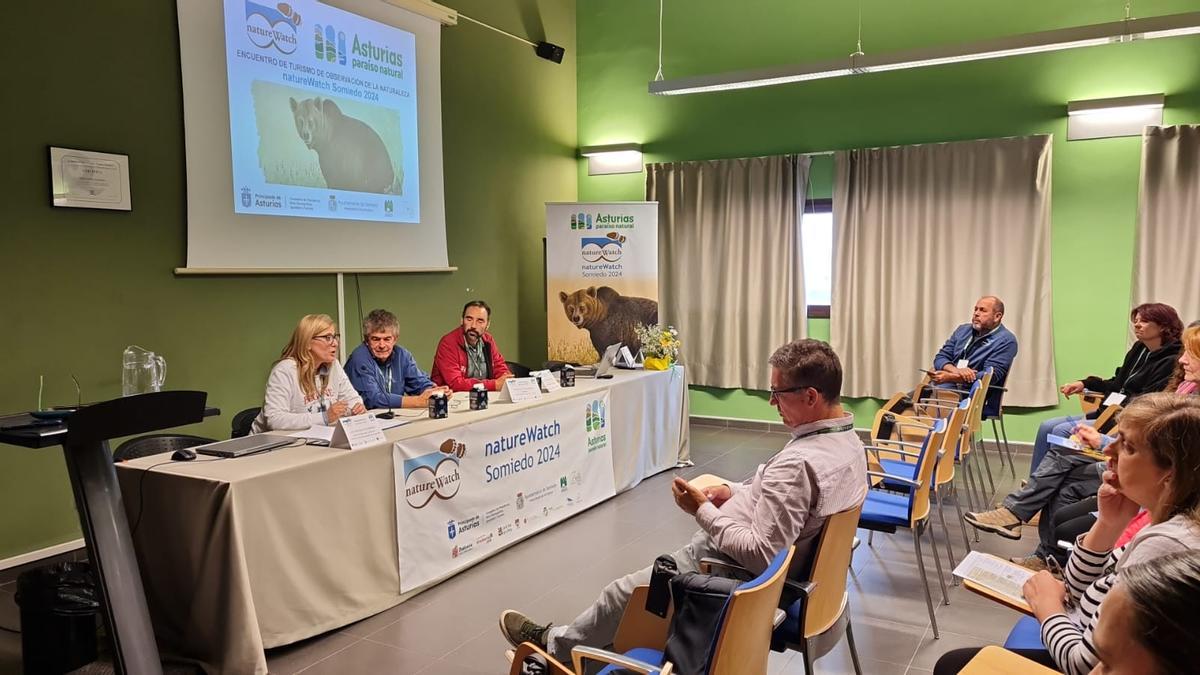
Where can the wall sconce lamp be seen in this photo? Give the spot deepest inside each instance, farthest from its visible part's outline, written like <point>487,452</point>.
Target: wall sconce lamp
<point>609,159</point>
<point>1112,117</point>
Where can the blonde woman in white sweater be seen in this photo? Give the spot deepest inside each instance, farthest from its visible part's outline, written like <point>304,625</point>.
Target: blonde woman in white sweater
<point>307,385</point>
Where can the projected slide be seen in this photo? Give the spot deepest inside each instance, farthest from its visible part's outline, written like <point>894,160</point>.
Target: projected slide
<point>322,113</point>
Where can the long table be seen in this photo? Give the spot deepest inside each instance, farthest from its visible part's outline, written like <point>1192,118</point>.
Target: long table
<point>242,555</point>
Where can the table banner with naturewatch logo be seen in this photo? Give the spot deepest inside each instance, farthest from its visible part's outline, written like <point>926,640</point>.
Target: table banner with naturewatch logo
<point>466,492</point>
<point>601,276</point>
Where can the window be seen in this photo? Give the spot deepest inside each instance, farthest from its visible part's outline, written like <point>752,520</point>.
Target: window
<point>816,237</point>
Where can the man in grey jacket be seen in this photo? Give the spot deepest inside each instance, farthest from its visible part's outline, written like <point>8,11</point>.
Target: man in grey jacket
<point>820,472</point>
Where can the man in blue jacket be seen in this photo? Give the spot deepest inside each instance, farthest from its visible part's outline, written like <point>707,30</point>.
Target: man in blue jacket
<point>384,373</point>
<point>976,346</point>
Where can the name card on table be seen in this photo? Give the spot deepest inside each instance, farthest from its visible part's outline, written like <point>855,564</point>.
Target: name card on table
<point>357,432</point>
<point>626,359</point>
<point>547,379</point>
<point>521,389</point>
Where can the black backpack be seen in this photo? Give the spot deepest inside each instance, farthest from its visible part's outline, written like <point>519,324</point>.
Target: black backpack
<point>700,601</point>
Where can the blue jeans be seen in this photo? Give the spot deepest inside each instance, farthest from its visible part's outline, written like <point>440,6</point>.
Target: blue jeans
<point>1059,426</point>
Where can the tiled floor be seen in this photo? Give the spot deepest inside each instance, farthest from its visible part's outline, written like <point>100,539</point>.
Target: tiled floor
<point>451,629</point>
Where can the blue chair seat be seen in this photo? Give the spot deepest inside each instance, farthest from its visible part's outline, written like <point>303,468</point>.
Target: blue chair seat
<point>644,654</point>
<point>898,468</point>
<point>1027,634</point>
<point>885,508</point>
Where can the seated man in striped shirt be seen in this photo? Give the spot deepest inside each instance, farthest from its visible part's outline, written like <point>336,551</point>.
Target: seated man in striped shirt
<point>821,471</point>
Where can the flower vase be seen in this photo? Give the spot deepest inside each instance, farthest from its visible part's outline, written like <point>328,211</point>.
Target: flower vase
<point>656,363</point>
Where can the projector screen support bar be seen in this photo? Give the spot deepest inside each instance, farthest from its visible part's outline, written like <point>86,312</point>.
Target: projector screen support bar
<point>255,271</point>
<point>428,9</point>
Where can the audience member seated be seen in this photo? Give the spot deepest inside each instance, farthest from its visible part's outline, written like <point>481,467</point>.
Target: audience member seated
<point>1152,465</point>
<point>1149,622</point>
<point>1071,520</point>
<point>975,346</point>
<point>307,385</point>
<point>1064,477</point>
<point>384,373</point>
<point>821,471</point>
<point>1146,368</point>
<point>468,355</point>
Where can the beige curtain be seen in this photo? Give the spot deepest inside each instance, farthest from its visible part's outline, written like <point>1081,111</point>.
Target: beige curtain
<point>730,272</point>
<point>920,233</point>
<point>1168,225</point>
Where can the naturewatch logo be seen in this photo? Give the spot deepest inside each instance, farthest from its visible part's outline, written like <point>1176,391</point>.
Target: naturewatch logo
<point>272,26</point>
<point>609,248</point>
<point>435,474</point>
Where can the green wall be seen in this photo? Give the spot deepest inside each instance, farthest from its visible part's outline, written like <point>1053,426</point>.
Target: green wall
<point>82,284</point>
<point>1094,194</point>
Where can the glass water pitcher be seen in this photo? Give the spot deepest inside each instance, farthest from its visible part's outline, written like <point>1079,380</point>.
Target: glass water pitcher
<point>142,371</point>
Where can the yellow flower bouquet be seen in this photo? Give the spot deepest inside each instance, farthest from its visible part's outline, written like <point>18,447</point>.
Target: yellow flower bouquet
<point>660,346</point>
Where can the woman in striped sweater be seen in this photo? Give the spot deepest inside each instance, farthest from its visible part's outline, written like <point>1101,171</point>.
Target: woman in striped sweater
<point>1153,464</point>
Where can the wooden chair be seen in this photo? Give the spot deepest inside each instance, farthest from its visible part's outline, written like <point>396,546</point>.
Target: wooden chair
<point>886,511</point>
<point>978,395</point>
<point>814,624</point>
<point>1106,423</point>
<point>526,649</point>
<point>938,407</point>
<point>1089,401</point>
<point>993,660</point>
<point>740,646</point>
<point>943,478</point>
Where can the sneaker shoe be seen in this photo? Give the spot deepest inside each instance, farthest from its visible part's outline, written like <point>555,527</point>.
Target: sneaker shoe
<point>1001,521</point>
<point>517,628</point>
<point>1030,562</point>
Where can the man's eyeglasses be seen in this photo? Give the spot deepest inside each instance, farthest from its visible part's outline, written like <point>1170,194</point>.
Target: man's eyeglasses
<point>789,390</point>
<point>328,338</point>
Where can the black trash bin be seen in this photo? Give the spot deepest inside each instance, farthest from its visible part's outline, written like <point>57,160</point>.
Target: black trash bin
<point>58,617</point>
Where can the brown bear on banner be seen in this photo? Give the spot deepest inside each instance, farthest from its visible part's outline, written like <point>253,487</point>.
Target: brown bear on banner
<point>608,316</point>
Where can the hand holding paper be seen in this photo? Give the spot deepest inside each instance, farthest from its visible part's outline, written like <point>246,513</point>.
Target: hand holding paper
<point>1045,594</point>
<point>687,497</point>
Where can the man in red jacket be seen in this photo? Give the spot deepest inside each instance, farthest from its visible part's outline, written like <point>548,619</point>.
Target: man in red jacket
<point>468,355</point>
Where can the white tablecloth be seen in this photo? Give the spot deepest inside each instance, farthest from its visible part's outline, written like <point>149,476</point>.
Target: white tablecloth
<point>262,551</point>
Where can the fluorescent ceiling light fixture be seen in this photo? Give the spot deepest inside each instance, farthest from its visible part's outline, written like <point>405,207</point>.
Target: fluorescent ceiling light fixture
<point>1112,117</point>
<point>1173,25</point>
<point>610,159</point>
<point>1119,105</point>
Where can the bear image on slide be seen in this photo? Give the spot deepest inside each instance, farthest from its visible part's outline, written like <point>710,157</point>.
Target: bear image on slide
<point>608,316</point>
<point>351,154</point>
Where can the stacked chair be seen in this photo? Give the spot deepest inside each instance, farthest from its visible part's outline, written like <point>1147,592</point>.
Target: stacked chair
<point>955,449</point>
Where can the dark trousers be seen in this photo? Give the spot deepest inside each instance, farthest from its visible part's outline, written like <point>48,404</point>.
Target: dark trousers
<point>1061,479</point>
<point>1070,522</point>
